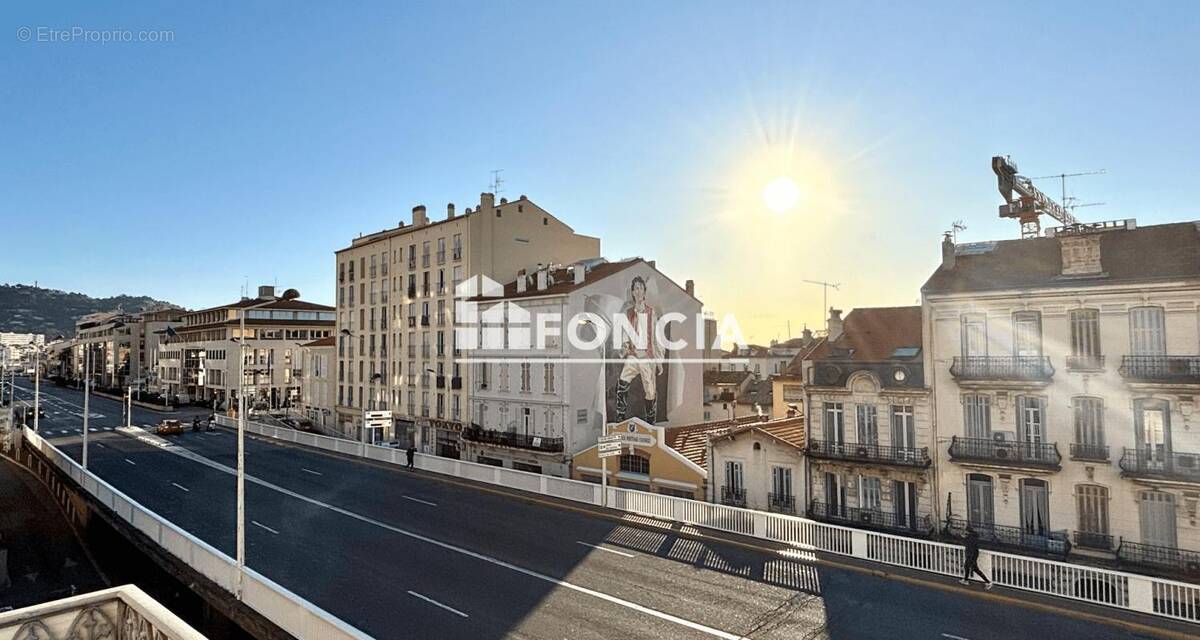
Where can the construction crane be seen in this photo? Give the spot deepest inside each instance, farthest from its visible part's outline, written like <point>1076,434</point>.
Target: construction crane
<point>1024,201</point>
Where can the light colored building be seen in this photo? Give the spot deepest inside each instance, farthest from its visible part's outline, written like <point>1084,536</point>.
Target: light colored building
<point>199,363</point>
<point>107,343</point>
<point>395,310</point>
<point>10,339</point>
<point>764,362</point>
<point>1066,371</point>
<point>673,464</point>
<point>534,408</point>
<point>871,438</point>
<point>149,332</point>
<point>318,387</point>
<point>759,465</point>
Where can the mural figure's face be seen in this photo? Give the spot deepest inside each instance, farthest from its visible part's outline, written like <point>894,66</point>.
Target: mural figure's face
<point>639,292</point>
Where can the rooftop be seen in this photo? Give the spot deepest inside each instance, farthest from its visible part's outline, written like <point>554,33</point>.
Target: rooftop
<point>873,334</point>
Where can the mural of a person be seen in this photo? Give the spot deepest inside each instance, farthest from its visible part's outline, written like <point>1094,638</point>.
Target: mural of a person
<point>642,354</point>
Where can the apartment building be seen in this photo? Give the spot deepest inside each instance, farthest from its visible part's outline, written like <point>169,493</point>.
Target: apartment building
<point>1066,370</point>
<point>537,401</point>
<point>870,446</point>
<point>318,388</point>
<point>149,334</point>
<point>759,464</point>
<point>106,343</point>
<point>199,363</point>
<point>395,310</point>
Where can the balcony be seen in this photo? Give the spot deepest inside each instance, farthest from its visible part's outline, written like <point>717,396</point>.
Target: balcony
<point>1160,464</point>
<point>1170,560</point>
<point>1161,369</point>
<point>1094,541</point>
<point>781,503</point>
<point>1002,368</point>
<point>441,382</point>
<point>1042,455</point>
<point>513,439</point>
<point>733,497</point>
<point>869,518</point>
<point>994,535</point>
<point>873,453</point>
<point>412,291</point>
<point>1089,452</point>
<point>1085,363</point>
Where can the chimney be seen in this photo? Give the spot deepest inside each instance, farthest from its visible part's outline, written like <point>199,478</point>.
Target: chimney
<point>266,292</point>
<point>419,218</point>
<point>450,211</point>
<point>835,324</point>
<point>690,287</point>
<point>947,252</point>
<point>792,411</point>
<point>503,200</point>
<point>542,279</point>
<point>1080,254</point>
<point>521,281</point>
<point>806,335</point>
<point>579,271</point>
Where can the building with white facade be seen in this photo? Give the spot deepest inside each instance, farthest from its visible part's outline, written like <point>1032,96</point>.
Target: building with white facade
<point>395,310</point>
<point>759,465</point>
<point>535,404</point>
<point>318,387</point>
<point>1066,373</point>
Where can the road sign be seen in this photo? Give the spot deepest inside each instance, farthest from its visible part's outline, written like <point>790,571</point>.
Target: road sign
<point>616,437</point>
<point>637,440</point>
<point>608,446</point>
<point>610,454</point>
<point>378,415</point>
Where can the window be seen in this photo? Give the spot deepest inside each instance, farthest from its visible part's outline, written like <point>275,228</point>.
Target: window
<point>977,416</point>
<point>1147,331</point>
<point>904,432</point>
<point>1091,509</point>
<point>581,416</point>
<point>1152,429</point>
<point>974,336</point>
<point>1035,507</point>
<point>979,500</point>
<point>1089,421</point>
<point>781,482</point>
<point>634,463</point>
<point>733,477</point>
<point>867,422</point>
<point>1085,338</point>
<point>869,496</point>
<point>1027,334</point>
<point>1031,419</point>
<point>832,425</point>
<point>527,419</point>
<point>1156,513</point>
<point>526,375</point>
<point>548,385</point>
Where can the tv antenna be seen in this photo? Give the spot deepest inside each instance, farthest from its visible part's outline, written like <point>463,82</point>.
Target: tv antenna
<point>1063,177</point>
<point>825,296</point>
<point>955,227</point>
<point>496,182</point>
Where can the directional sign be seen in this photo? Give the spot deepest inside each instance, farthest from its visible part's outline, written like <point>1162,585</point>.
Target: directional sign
<point>608,446</point>
<point>637,440</point>
<point>610,454</point>
<point>378,415</point>
<point>616,437</point>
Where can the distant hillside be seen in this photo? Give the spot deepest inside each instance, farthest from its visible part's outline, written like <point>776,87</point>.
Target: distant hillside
<point>26,309</point>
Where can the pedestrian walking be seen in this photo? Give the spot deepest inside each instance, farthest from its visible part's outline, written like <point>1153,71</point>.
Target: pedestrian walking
<point>411,453</point>
<point>971,560</point>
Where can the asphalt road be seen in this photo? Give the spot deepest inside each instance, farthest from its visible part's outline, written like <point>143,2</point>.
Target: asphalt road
<point>402,554</point>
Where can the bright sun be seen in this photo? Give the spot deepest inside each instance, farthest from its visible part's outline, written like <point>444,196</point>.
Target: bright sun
<point>781,194</point>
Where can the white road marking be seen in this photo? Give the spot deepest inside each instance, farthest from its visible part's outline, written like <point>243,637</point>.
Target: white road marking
<point>134,463</point>
<point>181,486</point>
<point>432,504</point>
<point>315,473</point>
<point>696,626</point>
<point>259,524</point>
<point>101,445</point>
<point>953,637</point>
<point>437,604</point>
<point>620,553</point>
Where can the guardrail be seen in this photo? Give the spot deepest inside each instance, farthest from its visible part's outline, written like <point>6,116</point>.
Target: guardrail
<point>1129,591</point>
<point>287,610</point>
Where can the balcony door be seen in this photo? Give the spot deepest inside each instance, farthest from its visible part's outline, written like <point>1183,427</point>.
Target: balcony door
<point>1031,423</point>
<point>781,484</point>
<point>1152,426</point>
<point>904,432</point>
<point>1035,507</point>
<point>833,424</point>
<point>733,477</point>
<point>974,336</point>
<point>1027,334</point>
<point>1147,331</point>
<point>835,494</point>
<point>1156,511</point>
<point>980,505</point>
<point>868,424</point>
<point>904,503</point>
<point>869,493</point>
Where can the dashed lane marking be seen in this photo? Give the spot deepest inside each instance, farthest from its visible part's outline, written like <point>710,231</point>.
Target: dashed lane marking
<point>620,553</point>
<point>438,604</point>
<point>179,486</point>
<point>263,526</point>
<point>432,504</point>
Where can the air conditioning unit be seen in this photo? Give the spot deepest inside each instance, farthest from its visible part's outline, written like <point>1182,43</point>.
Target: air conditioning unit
<point>1004,436</point>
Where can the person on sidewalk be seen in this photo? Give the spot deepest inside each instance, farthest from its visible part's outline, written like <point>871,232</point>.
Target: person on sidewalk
<point>411,453</point>
<point>971,560</point>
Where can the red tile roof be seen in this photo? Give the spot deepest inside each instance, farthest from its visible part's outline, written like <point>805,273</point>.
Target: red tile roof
<point>691,440</point>
<point>872,335</point>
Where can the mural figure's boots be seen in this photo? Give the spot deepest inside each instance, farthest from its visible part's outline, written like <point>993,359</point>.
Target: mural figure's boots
<point>622,399</point>
<point>652,411</point>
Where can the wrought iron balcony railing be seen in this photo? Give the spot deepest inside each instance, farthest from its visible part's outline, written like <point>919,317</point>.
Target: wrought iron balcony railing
<point>1088,451</point>
<point>781,503</point>
<point>901,456</point>
<point>513,439</point>
<point>733,497</point>
<point>1091,540</point>
<point>1002,368</point>
<point>1176,369</point>
<point>1180,562</point>
<point>870,518</point>
<point>1051,542</point>
<point>1005,452</point>
<point>1160,463</point>
<point>1085,363</point>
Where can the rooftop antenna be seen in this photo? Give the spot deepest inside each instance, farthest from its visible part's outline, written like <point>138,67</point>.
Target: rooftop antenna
<point>955,227</point>
<point>496,182</point>
<point>1063,177</point>
<point>825,296</point>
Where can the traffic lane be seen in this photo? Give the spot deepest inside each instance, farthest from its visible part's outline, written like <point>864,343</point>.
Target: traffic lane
<point>718,585</point>
<point>355,573</point>
<point>109,412</point>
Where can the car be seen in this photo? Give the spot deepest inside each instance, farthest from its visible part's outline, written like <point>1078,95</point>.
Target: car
<point>169,428</point>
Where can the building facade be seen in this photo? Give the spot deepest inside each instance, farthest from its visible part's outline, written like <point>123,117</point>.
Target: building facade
<point>318,388</point>
<point>1066,371</point>
<point>395,310</point>
<point>759,465</point>
<point>199,364</point>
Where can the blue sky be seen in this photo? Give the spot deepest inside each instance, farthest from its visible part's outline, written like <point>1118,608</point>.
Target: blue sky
<point>267,134</point>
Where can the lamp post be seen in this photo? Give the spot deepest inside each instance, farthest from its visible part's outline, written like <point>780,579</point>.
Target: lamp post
<point>290,294</point>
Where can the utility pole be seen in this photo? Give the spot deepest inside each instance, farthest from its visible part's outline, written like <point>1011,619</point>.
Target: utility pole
<point>37,388</point>
<point>87,392</point>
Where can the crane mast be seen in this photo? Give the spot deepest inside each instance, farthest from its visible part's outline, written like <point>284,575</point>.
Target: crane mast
<point>1024,201</point>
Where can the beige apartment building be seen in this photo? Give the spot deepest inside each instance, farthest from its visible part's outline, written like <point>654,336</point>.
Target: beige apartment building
<point>199,363</point>
<point>318,386</point>
<point>395,311</point>
<point>1066,373</point>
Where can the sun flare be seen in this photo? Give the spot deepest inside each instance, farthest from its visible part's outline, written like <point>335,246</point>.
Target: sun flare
<point>781,194</point>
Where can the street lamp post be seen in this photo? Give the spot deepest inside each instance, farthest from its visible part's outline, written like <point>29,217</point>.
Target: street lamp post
<point>290,294</point>
<point>87,392</point>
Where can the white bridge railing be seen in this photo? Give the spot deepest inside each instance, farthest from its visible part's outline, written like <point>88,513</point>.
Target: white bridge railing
<point>287,610</point>
<point>1133,592</point>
